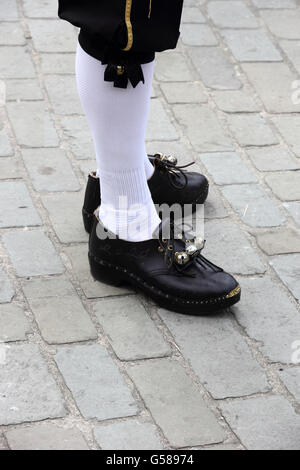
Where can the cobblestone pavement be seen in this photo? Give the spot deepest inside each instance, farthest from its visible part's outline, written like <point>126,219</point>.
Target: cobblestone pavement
<point>85,366</point>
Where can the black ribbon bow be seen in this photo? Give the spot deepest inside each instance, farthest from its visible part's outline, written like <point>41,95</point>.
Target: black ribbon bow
<point>120,74</point>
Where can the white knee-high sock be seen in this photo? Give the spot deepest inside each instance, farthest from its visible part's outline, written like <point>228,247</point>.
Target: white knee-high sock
<point>118,118</point>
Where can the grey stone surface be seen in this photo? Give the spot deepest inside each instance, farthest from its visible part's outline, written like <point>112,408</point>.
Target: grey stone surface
<point>184,92</point>
<point>32,124</point>
<point>269,317</point>
<point>260,430</point>
<point>28,391</point>
<point>202,127</point>
<point>11,34</point>
<point>288,127</point>
<point>294,210</point>
<point>235,101</point>
<point>28,262</point>
<point>275,158</point>
<point>251,46</point>
<point>50,170</point>
<point>291,379</point>
<point>32,9</point>
<point>288,269</point>
<point>130,330</point>
<point>23,89</point>
<point>233,372</point>
<point>62,63</point>
<point>10,168</point>
<point>227,246</point>
<point>58,311</point>
<point>46,436</point>
<point>251,129</point>
<point>63,94</point>
<point>159,125</point>
<point>95,382</point>
<point>279,241</point>
<point>65,216</point>
<point>188,425</point>
<point>198,35</point>
<point>78,256</point>
<point>9,10</point>
<point>274,3</point>
<point>15,62</point>
<point>283,24</point>
<point>253,205</point>
<point>214,68</point>
<point>275,90</point>
<point>5,145</point>
<point>214,207</point>
<point>6,287</point>
<point>14,325</point>
<point>78,136</point>
<point>192,15</point>
<point>172,64</point>
<point>52,36</point>
<point>227,168</point>
<point>128,435</point>
<point>16,206</point>
<point>291,49</point>
<point>286,186</point>
<point>231,14</point>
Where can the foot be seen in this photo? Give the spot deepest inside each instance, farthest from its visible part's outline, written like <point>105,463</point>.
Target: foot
<point>170,184</point>
<point>172,272</point>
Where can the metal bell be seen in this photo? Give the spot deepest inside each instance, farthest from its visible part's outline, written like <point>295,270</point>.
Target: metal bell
<point>171,159</point>
<point>199,243</point>
<point>191,250</point>
<point>181,257</point>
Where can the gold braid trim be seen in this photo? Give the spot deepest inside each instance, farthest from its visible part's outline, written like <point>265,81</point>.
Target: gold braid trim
<point>128,25</point>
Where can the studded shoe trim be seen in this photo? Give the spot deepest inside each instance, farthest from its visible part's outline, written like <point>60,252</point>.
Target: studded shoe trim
<point>234,292</point>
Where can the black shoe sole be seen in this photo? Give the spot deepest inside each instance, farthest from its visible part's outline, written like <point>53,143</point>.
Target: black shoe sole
<point>110,274</point>
<point>88,217</point>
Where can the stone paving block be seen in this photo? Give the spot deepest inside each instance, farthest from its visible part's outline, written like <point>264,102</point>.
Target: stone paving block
<point>275,90</point>
<point>16,206</point>
<point>3,443</point>
<point>53,36</point>
<point>288,127</point>
<point>78,256</point>
<point>251,46</point>
<point>170,66</point>
<point>130,330</point>
<point>6,288</point>
<point>65,216</point>
<point>60,315</point>
<point>279,241</point>
<point>294,210</point>
<point>253,205</point>
<point>11,34</point>
<point>27,89</point>
<point>291,48</point>
<point>291,379</point>
<point>214,207</point>
<point>231,14</point>
<point>235,101</point>
<point>192,15</point>
<point>284,23</point>
<point>9,10</point>
<point>222,447</point>
<point>202,127</point>
<point>233,372</point>
<point>128,435</point>
<point>10,168</point>
<point>198,35</point>
<point>50,170</point>
<point>274,3</point>
<point>33,9</point>
<point>5,145</point>
<point>78,136</point>
<point>96,383</point>
<point>28,391</point>
<point>272,159</point>
<point>228,247</point>
<point>214,68</point>
<point>227,168</point>
<point>14,325</point>
<point>32,124</point>
<point>15,62</point>
<point>32,253</point>
<point>187,92</point>
<point>159,124</point>
<point>176,404</point>
<point>46,436</point>
<point>269,317</point>
<point>285,185</point>
<point>273,426</point>
<point>251,129</point>
<point>63,94</point>
<point>288,269</point>
<point>58,63</point>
